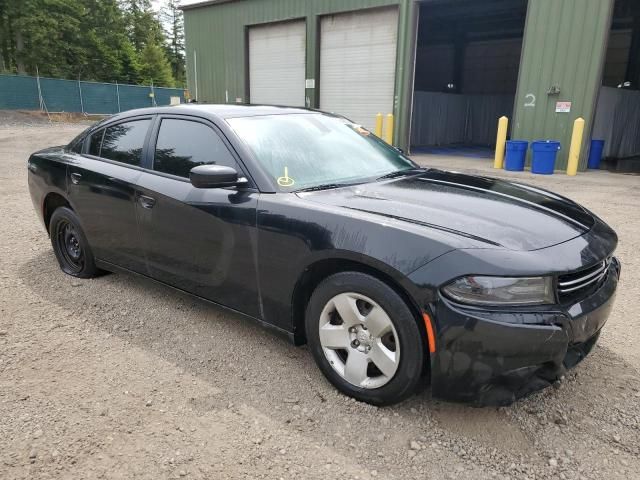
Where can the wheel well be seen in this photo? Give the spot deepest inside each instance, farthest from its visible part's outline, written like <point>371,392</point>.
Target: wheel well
<point>51,202</point>
<point>318,271</point>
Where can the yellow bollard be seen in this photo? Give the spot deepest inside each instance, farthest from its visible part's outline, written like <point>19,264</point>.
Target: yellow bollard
<point>576,145</point>
<point>378,130</point>
<point>501,141</point>
<point>388,130</point>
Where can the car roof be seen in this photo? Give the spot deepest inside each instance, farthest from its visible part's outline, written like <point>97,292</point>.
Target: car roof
<point>219,111</point>
<point>231,111</point>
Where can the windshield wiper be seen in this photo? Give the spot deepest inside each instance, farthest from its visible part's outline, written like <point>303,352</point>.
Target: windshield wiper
<point>324,186</point>
<point>399,173</point>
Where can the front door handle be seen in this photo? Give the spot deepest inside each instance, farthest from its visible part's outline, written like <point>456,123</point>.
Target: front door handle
<point>147,202</point>
<point>75,178</point>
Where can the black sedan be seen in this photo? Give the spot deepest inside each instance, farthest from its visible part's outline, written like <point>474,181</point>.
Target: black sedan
<point>394,275</point>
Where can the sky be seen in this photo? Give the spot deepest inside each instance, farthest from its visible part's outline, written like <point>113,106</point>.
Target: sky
<point>158,3</point>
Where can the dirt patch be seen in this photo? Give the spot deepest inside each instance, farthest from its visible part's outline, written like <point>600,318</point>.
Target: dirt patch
<point>118,377</point>
<point>28,118</point>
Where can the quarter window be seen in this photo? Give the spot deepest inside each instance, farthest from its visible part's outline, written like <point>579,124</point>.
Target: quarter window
<point>94,143</point>
<point>183,144</point>
<point>124,142</point>
<point>77,147</point>
<point>76,144</point>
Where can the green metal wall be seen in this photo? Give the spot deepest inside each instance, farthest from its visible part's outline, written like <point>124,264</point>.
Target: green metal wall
<point>217,32</point>
<point>565,45</point>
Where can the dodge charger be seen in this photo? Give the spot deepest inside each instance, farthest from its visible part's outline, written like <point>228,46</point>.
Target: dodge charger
<point>394,275</point>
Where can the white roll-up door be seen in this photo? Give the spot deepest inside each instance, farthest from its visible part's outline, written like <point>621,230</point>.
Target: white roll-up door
<point>358,64</point>
<point>277,63</point>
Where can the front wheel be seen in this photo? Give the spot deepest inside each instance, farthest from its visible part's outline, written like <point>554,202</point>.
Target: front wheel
<point>70,244</point>
<point>364,338</point>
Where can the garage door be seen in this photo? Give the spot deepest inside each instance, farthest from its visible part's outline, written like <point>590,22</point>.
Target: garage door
<point>358,64</point>
<point>277,64</point>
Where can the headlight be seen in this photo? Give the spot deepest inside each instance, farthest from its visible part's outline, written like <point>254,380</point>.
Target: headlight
<point>479,290</point>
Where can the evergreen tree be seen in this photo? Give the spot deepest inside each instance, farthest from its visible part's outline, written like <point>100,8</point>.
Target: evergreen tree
<point>43,34</point>
<point>154,66</point>
<point>174,24</point>
<point>110,56</point>
<point>102,40</point>
<point>7,54</point>
<point>147,36</point>
<point>143,24</point>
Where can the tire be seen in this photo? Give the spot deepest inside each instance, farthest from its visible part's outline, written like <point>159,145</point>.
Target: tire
<point>377,362</point>
<point>70,244</point>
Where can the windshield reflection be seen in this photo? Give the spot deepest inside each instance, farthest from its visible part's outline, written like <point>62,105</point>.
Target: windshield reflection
<point>315,150</point>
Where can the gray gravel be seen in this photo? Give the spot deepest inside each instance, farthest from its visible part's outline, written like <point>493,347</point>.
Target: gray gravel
<point>118,377</point>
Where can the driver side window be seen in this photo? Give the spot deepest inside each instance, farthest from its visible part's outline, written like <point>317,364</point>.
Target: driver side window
<point>184,144</point>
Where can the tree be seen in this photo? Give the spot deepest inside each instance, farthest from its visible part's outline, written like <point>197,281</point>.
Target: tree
<point>154,66</point>
<point>143,25</point>
<point>6,43</point>
<point>148,38</point>
<point>109,54</point>
<point>42,34</point>
<point>103,40</point>
<point>174,23</point>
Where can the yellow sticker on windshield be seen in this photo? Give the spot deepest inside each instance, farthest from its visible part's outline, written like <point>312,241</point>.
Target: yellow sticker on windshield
<point>286,180</point>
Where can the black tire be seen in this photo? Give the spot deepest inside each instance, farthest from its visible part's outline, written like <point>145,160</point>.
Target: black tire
<point>70,244</point>
<point>409,368</point>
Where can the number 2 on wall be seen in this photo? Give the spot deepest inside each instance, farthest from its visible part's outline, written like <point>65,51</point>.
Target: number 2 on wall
<point>530,100</point>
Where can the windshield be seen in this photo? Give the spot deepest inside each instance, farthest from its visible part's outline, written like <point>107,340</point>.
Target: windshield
<point>309,150</point>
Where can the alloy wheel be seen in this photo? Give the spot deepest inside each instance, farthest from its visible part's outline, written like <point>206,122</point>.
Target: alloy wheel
<point>359,340</point>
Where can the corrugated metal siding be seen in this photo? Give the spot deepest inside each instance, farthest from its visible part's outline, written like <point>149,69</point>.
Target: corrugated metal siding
<point>217,33</point>
<point>277,63</point>
<point>564,44</point>
<point>358,64</point>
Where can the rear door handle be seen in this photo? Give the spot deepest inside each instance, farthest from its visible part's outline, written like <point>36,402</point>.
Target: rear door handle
<point>75,178</point>
<point>147,202</point>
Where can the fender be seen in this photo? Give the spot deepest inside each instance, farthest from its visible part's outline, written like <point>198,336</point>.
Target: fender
<point>296,234</point>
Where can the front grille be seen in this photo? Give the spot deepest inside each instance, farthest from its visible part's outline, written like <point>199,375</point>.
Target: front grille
<point>580,283</point>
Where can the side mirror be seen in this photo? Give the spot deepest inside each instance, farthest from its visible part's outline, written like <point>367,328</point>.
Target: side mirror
<point>215,176</point>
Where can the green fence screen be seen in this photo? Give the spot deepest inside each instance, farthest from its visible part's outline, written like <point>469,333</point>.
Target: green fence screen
<point>20,92</point>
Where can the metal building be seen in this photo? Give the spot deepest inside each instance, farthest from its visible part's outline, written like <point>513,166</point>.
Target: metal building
<point>447,69</point>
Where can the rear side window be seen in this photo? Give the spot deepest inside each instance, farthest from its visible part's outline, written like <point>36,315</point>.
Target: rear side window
<point>124,142</point>
<point>76,144</point>
<point>183,144</point>
<point>94,143</point>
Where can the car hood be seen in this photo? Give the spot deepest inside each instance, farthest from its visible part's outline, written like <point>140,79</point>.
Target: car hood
<point>498,213</point>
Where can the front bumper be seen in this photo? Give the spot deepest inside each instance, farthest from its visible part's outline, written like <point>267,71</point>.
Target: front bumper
<point>495,357</point>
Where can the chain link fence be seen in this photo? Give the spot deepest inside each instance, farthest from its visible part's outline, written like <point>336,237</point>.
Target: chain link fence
<point>54,95</point>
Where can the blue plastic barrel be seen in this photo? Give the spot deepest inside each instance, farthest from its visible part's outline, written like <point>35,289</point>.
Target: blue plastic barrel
<point>543,160</point>
<point>595,154</point>
<point>516,155</point>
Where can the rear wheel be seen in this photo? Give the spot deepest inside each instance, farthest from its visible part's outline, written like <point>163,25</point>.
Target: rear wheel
<point>364,338</point>
<point>70,244</point>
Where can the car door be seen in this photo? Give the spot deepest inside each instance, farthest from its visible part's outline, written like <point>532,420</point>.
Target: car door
<point>102,190</point>
<point>199,240</point>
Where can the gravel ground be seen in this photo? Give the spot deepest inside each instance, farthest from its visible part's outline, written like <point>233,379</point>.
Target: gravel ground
<point>118,377</point>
